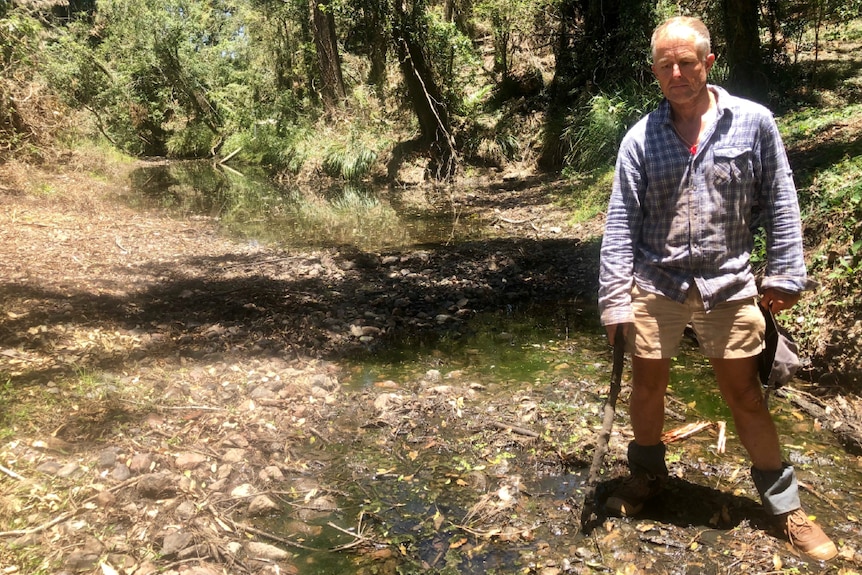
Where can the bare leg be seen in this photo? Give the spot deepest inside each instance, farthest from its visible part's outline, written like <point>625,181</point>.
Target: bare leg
<point>650,378</point>
<point>737,379</point>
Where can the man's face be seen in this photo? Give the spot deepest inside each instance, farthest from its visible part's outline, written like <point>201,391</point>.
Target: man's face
<point>680,70</point>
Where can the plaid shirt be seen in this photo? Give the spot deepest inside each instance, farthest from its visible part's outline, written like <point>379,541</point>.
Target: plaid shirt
<point>678,218</point>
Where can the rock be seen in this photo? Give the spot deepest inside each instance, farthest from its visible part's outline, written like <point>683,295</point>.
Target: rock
<point>69,470</point>
<point>235,440</point>
<point>186,510</point>
<point>270,473</point>
<point>141,463</point>
<point>157,485</point>
<point>433,375</point>
<point>262,505</point>
<point>262,392</point>
<point>105,499</point>
<point>121,472</point>
<point>175,542</point>
<point>243,490</point>
<point>266,552</point>
<point>79,561</point>
<point>107,458</point>
<point>188,461</point>
<point>49,468</point>
<point>387,402</point>
<point>234,455</point>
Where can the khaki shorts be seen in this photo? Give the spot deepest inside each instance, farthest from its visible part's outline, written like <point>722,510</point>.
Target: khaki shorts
<point>731,330</point>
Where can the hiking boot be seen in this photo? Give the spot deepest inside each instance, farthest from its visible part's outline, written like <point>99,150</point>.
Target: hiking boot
<point>628,499</point>
<point>806,535</point>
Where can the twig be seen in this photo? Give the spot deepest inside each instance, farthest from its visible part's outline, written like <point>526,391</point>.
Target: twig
<point>359,538</point>
<point>685,431</point>
<point>721,442</point>
<point>825,500</point>
<point>11,473</point>
<point>514,429</point>
<point>255,531</point>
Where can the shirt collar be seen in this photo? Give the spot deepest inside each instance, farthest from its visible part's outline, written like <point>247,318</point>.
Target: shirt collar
<point>721,104</point>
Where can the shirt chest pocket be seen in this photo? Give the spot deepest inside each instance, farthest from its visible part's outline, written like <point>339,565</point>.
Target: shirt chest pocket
<point>731,165</point>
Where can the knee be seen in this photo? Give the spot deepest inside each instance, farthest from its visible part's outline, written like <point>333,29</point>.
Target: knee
<point>747,400</point>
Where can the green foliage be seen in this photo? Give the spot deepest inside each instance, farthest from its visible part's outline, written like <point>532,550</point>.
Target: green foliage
<point>589,194</point>
<point>453,57</point>
<point>493,140</point>
<point>350,161</point>
<point>19,42</point>
<point>593,132</point>
<point>193,141</point>
<point>834,206</point>
<point>511,22</point>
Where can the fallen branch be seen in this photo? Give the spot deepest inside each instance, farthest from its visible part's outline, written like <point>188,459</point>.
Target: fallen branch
<point>686,430</point>
<point>848,432</point>
<point>514,429</point>
<point>255,531</point>
<point>827,501</point>
<point>11,473</point>
<point>359,538</point>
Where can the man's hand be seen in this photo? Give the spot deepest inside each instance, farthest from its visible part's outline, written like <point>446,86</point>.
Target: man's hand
<point>778,300</point>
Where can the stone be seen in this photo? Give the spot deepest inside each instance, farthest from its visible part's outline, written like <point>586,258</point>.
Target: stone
<point>175,541</point>
<point>188,461</point>
<point>157,485</point>
<point>107,458</point>
<point>69,470</point>
<point>79,561</point>
<point>141,463</point>
<point>266,552</point>
<point>262,505</point>
<point>234,455</point>
<point>121,472</point>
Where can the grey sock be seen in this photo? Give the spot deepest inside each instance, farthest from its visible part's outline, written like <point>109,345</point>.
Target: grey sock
<point>778,489</point>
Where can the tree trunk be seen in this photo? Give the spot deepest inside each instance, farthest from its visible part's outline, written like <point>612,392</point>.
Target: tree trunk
<point>328,58</point>
<point>601,43</point>
<point>746,77</point>
<point>378,47</point>
<point>425,96</point>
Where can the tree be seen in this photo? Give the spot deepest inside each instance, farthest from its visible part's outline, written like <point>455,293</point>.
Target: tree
<point>409,30</point>
<point>742,34</point>
<point>328,58</point>
<point>601,44</point>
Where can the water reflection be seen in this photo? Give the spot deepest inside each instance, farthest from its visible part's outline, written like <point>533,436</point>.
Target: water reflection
<point>250,205</point>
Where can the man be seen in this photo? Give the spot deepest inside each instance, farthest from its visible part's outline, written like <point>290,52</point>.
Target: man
<point>676,251</point>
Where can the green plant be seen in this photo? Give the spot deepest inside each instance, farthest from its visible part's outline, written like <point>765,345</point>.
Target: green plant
<point>589,194</point>
<point>594,131</point>
<point>351,161</point>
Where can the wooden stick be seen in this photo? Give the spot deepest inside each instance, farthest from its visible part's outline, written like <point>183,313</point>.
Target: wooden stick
<point>609,409</point>
<point>11,473</point>
<point>514,429</point>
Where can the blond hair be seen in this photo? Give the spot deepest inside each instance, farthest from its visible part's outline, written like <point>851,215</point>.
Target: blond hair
<point>694,25</point>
